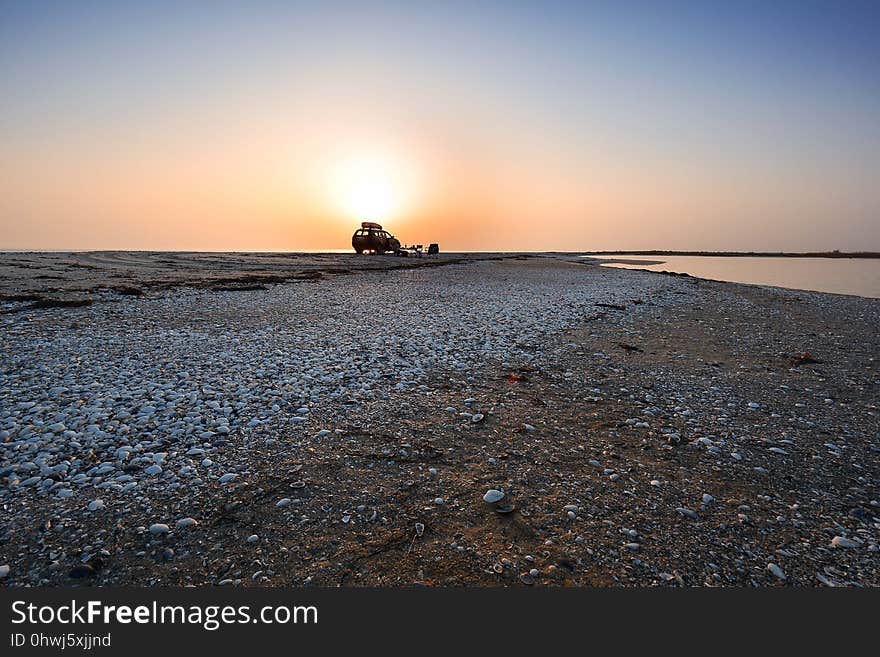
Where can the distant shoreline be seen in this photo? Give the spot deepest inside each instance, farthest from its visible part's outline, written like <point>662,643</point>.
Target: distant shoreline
<point>721,254</point>
<point>742,254</point>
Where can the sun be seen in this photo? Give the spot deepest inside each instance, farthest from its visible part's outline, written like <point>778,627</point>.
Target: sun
<point>371,198</point>
<point>371,187</point>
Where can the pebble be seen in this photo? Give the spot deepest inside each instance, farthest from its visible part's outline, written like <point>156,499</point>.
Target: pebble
<point>492,496</point>
<point>186,522</point>
<point>284,501</point>
<point>82,571</point>
<point>153,470</point>
<point>844,542</point>
<point>96,505</point>
<point>4,571</point>
<point>687,513</point>
<point>229,476</point>
<point>253,538</point>
<point>776,571</point>
<point>158,528</point>
<point>477,417</point>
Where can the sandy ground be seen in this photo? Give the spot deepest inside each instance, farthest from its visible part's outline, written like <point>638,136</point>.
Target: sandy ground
<point>342,430</point>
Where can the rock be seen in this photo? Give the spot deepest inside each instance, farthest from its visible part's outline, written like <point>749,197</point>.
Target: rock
<point>776,571</point>
<point>253,538</point>
<point>844,542</point>
<point>153,469</point>
<point>477,417</point>
<point>707,499</point>
<point>492,496</point>
<point>420,529</point>
<point>439,501</point>
<point>82,571</point>
<point>284,501</point>
<point>186,522</point>
<point>528,427</point>
<point>4,571</point>
<point>687,513</point>
<point>96,505</point>
<point>158,528</point>
<point>229,476</point>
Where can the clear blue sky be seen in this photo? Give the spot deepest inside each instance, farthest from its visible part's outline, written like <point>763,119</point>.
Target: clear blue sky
<point>729,125</point>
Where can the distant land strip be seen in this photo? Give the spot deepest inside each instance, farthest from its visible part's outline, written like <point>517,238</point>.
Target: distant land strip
<point>744,254</point>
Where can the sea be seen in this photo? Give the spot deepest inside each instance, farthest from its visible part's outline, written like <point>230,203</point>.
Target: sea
<point>854,276</point>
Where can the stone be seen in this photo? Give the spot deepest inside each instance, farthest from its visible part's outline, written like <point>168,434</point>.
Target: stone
<point>82,571</point>
<point>158,528</point>
<point>844,542</point>
<point>186,522</point>
<point>492,496</point>
<point>776,571</point>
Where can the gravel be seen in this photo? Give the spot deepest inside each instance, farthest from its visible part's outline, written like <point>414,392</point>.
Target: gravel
<point>321,415</point>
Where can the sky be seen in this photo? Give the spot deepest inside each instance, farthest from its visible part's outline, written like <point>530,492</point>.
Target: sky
<point>486,126</point>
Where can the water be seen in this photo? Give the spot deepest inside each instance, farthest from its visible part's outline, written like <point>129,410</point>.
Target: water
<point>858,276</point>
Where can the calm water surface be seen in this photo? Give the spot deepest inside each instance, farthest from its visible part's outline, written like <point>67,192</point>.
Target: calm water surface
<point>859,276</point>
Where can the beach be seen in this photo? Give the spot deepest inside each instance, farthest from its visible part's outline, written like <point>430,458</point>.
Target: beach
<point>334,420</point>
